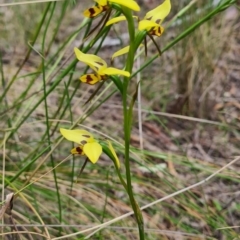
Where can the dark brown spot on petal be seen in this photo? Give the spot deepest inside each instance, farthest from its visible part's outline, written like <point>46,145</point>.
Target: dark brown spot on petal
<point>103,77</point>
<point>100,63</point>
<point>155,31</point>
<point>105,8</point>
<point>149,18</point>
<point>159,30</point>
<point>89,79</point>
<point>87,136</point>
<point>83,142</point>
<point>79,150</point>
<point>94,11</point>
<point>158,21</point>
<point>91,11</point>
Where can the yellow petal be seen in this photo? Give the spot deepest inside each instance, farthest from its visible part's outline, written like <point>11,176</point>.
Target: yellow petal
<point>93,61</point>
<point>147,25</point>
<point>93,151</point>
<point>115,20</point>
<point>131,4</point>
<point>118,19</point>
<point>93,11</point>
<point>115,71</point>
<point>159,13</point>
<point>90,78</point>
<point>77,150</point>
<point>79,136</point>
<point>121,52</point>
<point>114,154</point>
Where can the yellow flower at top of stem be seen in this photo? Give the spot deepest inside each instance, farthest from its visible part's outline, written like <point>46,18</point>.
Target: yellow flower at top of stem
<point>103,5</point>
<point>99,66</point>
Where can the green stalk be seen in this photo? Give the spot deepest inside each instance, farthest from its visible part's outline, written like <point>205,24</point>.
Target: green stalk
<point>128,122</point>
<point>46,113</point>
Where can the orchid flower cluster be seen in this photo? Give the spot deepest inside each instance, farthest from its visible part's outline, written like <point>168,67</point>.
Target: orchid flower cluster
<point>149,25</point>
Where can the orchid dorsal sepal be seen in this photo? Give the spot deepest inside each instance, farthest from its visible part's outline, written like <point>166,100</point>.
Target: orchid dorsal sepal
<point>79,136</point>
<point>159,13</point>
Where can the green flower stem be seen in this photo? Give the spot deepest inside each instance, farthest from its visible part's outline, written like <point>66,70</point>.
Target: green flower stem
<point>128,121</point>
<point>47,115</point>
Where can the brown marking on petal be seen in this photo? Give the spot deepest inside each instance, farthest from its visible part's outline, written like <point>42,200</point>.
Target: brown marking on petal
<point>100,63</point>
<point>91,12</point>
<point>159,31</point>
<point>149,18</point>
<point>158,21</point>
<point>89,79</point>
<point>79,150</point>
<point>105,8</point>
<point>103,77</point>
<point>155,31</point>
<point>87,136</point>
<point>151,31</point>
<point>83,142</point>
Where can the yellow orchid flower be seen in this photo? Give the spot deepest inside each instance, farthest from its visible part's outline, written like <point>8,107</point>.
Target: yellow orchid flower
<point>103,5</point>
<point>153,19</point>
<point>99,66</point>
<point>87,144</point>
<point>159,13</point>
